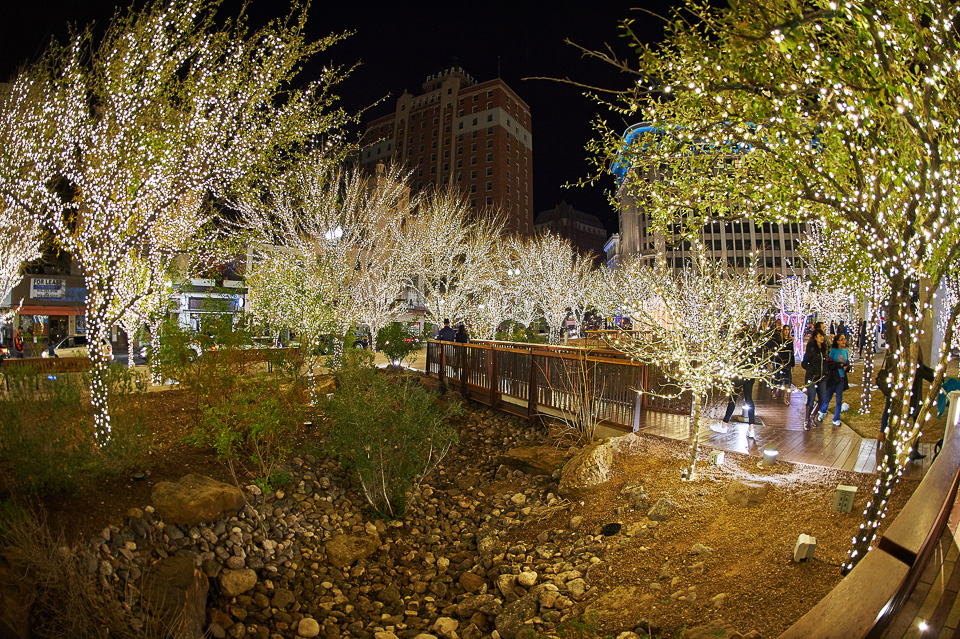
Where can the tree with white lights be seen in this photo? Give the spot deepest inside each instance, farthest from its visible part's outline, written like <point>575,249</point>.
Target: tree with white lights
<point>842,113</point>
<point>19,244</point>
<point>698,325</point>
<point>158,113</point>
<point>330,249</point>
<point>555,275</point>
<point>434,245</point>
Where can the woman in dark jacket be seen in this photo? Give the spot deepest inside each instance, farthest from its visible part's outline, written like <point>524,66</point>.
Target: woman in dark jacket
<point>784,362</point>
<point>815,365</point>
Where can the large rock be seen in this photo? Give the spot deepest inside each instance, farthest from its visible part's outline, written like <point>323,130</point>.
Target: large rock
<point>662,510</point>
<point>237,582</point>
<point>624,604</point>
<point>590,467</point>
<point>534,460</point>
<point>175,592</point>
<point>343,550</point>
<point>196,499</point>
<point>511,620</point>
<point>742,492</point>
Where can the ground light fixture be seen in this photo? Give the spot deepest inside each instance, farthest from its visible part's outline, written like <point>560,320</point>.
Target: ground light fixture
<point>804,548</point>
<point>770,456</point>
<point>922,626</point>
<point>716,457</point>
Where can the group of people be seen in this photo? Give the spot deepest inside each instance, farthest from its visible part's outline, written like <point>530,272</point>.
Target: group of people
<point>447,334</point>
<point>826,375</point>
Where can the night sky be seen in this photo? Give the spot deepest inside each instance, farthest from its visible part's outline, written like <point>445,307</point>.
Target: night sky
<point>398,44</point>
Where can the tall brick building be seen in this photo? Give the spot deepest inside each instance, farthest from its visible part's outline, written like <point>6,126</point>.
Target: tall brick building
<point>586,232</point>
<point>458,131</point>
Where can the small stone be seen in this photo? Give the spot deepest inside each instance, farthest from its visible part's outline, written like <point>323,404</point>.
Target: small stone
<point>527,579</point>
<point>308,627</point>
<point>446,627</point>
<point>718,600</point>
<point>662,510</point>
<point>575,522</point>
<point>519,499</point>
<point>700,550</point>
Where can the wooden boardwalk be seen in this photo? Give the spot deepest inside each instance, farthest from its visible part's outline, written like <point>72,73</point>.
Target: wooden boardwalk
<point>780,427</point>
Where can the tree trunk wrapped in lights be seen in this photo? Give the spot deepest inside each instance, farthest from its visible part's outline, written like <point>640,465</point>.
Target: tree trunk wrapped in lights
<point>177,113</point>
<point>846,114</point>
<point>698,325</point>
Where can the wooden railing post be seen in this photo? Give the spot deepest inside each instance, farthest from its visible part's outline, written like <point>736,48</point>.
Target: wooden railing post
<point>464,359</point>
<point>442,373</point>
<point>492,375</point>
<point>532,393</point>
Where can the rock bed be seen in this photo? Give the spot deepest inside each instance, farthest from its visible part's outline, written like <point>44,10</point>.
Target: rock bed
<point>484,551</point>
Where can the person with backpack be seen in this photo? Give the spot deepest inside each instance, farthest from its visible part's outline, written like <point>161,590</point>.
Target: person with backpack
<point>815,365</point>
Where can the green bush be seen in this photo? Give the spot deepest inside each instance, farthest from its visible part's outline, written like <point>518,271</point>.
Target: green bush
<point>387,429</point>
<point>245,414</point>
<point>516,332</point>
<point>396,342</point>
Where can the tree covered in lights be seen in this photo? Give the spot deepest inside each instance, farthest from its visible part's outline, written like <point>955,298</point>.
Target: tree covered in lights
<point>329,250</point>
<point>435,245</point>
<point>19,244</point>
<point>554,275</point>
<point>123,137</point>
<point>698,325</point>
<point>846,114</point>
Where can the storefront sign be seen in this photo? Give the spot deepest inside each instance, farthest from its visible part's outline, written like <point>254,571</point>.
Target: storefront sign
<point>49,288</point>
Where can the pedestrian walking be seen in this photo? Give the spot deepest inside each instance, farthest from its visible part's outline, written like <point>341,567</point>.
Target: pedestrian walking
<point>18,344</point>
<point>815,378</point>
<point>447,333</point>
<point>784,361</point>
<point>838,369</point>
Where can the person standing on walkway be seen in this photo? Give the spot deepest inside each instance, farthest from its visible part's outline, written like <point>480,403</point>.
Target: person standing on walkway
<point>447,333</point>
<point>18,344</point>
<point>742,387</point>
<point>862,336</point>
<point>461,337</point>
<point>815,365</point>
<point>838,368</point>
<point>784,362</point>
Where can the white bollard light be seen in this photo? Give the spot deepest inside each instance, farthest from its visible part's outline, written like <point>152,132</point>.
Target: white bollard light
<point>716,457</point>
<point>770,456</point>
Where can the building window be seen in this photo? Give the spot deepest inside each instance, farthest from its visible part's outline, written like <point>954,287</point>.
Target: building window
<point>473,188</point>
<point>459,164</point>
<point>476,97</point>
<point>490,93</point>
<point>473,175</point>
<point>446,153</point>
<point>489,201</point>
<point>489,157</point>
<point>421,148</point>
<point>433,145</point>
<point>489,170</point>
<point>475,122</point>
<point>473,161</point>
<point>490,130</point>
<point>433,170</point>
<point>473,147</point>
<point>460,126</point>
<point>474,135</point>
<point>446,129</point>
<point>489,186</point>
<point>489,117</point>
<point>508,174</point>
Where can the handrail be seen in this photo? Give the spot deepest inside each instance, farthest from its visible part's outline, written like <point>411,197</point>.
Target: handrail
<point>864,603</point>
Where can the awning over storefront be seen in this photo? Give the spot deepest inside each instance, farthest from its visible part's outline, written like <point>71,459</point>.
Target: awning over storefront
<point>50,310</point>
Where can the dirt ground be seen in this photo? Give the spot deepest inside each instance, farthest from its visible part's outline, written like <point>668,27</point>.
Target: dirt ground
<point>752,547</point>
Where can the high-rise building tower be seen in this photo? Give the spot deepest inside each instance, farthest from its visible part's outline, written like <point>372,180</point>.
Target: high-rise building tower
<point>476,136</point>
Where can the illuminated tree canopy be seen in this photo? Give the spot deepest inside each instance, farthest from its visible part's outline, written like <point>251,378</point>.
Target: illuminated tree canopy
<point>120,140</point>
<point>840,113</point>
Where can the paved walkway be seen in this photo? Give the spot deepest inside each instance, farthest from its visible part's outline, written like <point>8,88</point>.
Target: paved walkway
<point>781,427</point>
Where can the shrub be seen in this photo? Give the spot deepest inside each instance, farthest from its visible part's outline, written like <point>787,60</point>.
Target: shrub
<point>389,430</point>
<point>246,415</point>
<point>396,342</point>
